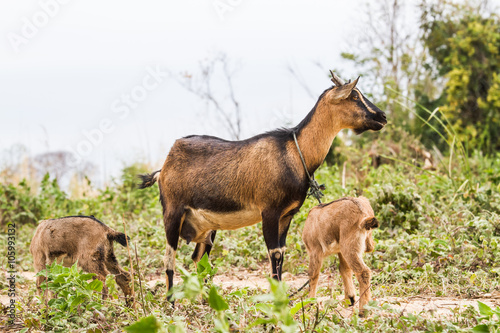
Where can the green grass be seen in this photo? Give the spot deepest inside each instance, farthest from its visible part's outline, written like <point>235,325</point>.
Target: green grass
<point>439,237</point>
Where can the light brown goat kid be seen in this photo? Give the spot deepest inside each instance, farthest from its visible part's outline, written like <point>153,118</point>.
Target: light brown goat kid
<point>82,238</point>
<point>343,227</point>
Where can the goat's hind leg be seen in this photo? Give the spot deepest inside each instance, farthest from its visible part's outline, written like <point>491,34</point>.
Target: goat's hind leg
<point>40,262</point>
<point>346,274</point>
<point>202,248</point>
<point>363,274</point>
<point>270,228</point>
<point>284,225</point>
<point>315,263</point>
<point>172,219</point>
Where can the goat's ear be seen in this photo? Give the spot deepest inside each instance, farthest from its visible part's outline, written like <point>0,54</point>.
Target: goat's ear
<point>370,223</point>
<point>342,92</point>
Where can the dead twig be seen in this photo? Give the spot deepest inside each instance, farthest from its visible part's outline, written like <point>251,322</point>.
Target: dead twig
<point>131,264</point>
<point>140,280</point>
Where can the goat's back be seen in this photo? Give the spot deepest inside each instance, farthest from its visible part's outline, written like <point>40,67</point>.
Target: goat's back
<point>209,173</point>
<point>326,224</point>
<point>67,235</point>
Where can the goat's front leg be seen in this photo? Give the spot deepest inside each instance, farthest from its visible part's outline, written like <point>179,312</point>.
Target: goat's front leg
<point>270,228</point>
<point>122,277</point>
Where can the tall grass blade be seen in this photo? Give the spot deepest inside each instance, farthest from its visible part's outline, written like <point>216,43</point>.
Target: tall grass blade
<point>433,113</point>
<point>451,156</point>
<point>448,128</point>
<point>458,191</point>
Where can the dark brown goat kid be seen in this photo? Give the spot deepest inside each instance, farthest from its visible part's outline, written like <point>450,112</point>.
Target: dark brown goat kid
<point>82,238</point>
<point>343,227</point>
<point>208,184</point>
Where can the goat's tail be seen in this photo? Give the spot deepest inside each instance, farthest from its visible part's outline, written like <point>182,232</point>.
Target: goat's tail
<point>148,179</point>
<point>119,237</point>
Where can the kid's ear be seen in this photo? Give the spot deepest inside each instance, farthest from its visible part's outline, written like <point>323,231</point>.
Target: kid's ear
<point>370,223</point>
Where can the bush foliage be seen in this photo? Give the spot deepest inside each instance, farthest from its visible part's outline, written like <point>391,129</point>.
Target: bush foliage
<point>439,236</point>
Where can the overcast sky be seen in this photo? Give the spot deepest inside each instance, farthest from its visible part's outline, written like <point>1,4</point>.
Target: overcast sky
<point>66,67</point>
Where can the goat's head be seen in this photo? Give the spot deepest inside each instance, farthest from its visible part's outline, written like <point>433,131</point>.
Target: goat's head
<point>358,113</point>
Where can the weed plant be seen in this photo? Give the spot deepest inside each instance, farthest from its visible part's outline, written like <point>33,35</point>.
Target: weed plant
<point>439,236</point>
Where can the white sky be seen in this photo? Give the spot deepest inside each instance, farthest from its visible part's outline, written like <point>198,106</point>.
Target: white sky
<point>65,78</point>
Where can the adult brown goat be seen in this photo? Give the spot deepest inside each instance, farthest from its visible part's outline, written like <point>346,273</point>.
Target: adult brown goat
<point>208,184</point>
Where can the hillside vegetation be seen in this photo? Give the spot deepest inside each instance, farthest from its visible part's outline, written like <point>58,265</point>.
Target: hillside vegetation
<point>439,236</point>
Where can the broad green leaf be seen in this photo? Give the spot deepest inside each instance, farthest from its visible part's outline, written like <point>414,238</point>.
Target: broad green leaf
<point>95,285</point>
<point>61,278</point>
<point>481,329</point>
<point>203,265</point>
<point>262,321</point>
<point>263,298</point>
<point>484,309</point>
<point>145,325</point>
<point>440,242</point>
<point>215,301</point>
<point>77,300</point>
<point>74,269</point>
<point>112,286</point>
<point>237,293</point>
<point>266,308</point>
<point>299,306</point>
<point>175,328</point>
<point>93,305</point>
<point>86,276</point>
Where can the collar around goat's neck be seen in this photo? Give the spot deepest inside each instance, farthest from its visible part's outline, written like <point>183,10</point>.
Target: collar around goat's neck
<point>314,187</point>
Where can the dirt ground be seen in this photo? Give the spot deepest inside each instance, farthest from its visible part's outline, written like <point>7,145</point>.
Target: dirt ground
<point>427,306</point>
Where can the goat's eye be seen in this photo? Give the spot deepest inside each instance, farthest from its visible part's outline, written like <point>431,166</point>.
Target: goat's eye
<point>355,97</point>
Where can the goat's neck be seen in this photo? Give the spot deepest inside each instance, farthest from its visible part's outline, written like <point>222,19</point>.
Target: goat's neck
<point>315,138</point>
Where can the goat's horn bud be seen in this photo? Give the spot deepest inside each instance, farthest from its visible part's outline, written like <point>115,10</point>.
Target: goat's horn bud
<point>336,80</point>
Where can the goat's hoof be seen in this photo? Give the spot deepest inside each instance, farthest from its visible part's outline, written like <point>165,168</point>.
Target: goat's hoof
<point>171,300</point>
<point>129,302</point>
<point>363,313</point>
